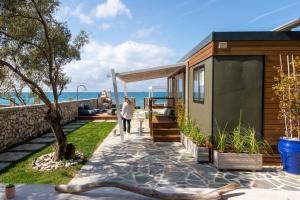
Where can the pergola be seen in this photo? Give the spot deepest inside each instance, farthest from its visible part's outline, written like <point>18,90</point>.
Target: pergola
<point>141,75</point>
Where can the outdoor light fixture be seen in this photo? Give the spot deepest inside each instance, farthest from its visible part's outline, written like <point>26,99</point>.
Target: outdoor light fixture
<point>84,88</point>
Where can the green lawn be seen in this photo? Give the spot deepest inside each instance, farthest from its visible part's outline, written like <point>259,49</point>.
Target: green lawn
<point>86,139</point>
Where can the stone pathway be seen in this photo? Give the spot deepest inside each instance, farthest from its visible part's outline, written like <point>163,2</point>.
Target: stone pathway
<point>139,161</point>
<point>21,151</point>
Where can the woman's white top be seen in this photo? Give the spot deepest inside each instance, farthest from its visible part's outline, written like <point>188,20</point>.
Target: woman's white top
<point>127,111</point>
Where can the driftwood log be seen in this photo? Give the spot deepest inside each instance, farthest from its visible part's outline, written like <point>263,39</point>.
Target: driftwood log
<point>215,194</point>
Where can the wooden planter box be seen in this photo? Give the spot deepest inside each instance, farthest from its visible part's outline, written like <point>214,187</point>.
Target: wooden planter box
<point>200,153</point>
<point>242,161</point>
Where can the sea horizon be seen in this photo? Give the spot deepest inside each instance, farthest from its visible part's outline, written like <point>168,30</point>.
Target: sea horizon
<point>68,96</point>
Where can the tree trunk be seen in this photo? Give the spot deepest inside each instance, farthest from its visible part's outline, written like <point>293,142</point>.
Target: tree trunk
<point>60,145</point>
<point>149,192</point>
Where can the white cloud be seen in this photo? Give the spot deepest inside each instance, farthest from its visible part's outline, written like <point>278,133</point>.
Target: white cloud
<point>66,12</point>
<point>145,32</point>
<point>98,59</point>
<point>111,8</point>
<point>104,26</point>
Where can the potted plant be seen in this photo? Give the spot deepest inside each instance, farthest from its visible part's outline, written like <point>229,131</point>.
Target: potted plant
<point>10,191</point>
<point>193,140</point>
<point>239,149</point>
<point>287,91</point>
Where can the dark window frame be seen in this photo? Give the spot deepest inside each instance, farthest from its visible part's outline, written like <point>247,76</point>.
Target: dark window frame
<point>198,70</point>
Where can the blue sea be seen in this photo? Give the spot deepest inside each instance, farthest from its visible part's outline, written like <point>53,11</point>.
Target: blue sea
<point>67,96</point>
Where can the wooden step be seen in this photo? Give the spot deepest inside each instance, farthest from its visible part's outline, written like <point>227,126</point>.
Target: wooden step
<point>166,131</point>
<point>165,125</point>
<point>166,138</point>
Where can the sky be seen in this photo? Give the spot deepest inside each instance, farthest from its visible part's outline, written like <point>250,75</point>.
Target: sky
<point>136,34</point>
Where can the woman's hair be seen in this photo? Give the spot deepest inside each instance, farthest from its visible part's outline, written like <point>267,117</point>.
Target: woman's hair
<point>129,102</point>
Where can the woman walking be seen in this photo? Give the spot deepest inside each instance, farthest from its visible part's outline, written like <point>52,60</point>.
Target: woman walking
<point>127,112</point>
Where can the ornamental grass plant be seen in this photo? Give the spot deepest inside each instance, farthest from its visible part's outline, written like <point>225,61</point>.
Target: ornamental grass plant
<point>242,139</point>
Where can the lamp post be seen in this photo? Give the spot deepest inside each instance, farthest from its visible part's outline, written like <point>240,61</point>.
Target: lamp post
<point>84,88</point>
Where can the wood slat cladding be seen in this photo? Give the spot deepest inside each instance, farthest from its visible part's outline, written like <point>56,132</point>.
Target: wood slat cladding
<point>272,126</point>
<point>202,54</point>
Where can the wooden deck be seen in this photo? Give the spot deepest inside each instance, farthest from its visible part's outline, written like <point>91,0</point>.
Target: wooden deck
<point>103,116</point>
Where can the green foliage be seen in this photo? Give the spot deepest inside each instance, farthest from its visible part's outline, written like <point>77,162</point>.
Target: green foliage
<point>286,88</point>
<point>9,185</point>
<point>240,140</point>
<point>221,139</point>
<point>180,116</point>
<point>250,139</point>
<point>189,127</point>
<point>196,135</point>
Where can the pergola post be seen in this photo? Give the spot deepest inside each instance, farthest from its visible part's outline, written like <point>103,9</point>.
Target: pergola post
<point>187,88</point>
<point>114,79</point>
<point>125,88</point>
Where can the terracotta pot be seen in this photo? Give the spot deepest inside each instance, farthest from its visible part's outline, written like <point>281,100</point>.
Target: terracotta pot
<point>10,192</point>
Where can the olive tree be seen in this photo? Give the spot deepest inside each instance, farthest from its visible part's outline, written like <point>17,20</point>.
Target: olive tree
<point>35,46</point>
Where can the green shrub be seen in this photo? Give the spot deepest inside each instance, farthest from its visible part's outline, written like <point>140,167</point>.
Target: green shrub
<point>221,139</point>
<point>240,140</point>
<point>9,185</point>
<point>196,135</point>
<point>253,143</point>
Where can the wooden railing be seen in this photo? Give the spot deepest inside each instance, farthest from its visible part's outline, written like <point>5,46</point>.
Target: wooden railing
<point>149,104</point>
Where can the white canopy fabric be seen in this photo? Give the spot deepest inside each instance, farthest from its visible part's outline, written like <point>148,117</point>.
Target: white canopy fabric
<point>150,73</point>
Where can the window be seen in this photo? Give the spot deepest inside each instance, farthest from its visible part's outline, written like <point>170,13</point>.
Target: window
<point>198,84</point>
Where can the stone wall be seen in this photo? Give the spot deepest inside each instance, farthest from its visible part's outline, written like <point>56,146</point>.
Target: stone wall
<point>20,123</point>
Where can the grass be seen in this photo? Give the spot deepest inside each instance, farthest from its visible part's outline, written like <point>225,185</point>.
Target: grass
<point>86,139</point>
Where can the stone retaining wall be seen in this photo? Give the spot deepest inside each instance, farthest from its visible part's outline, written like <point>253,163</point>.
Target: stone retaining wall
<point>21,123</point>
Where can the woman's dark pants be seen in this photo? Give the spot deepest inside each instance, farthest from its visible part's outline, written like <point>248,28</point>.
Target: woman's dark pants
<point>128,125</point>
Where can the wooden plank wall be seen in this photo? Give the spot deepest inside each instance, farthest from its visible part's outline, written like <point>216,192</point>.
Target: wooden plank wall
<point>201,55</point>
<point>272,127</point>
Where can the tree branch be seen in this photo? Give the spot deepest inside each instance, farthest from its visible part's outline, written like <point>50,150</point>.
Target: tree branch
<point>33,86</point>
<point>26,42</point>
<point>51,52</point>
<point>213,195</point>
<point>22,16</point>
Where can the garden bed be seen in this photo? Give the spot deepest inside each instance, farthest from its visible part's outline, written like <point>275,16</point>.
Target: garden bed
<point>241,161</point>
<point>200,153</point>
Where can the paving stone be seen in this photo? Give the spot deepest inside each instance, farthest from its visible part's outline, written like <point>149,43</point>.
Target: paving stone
<point>291,180</point>
<point>289,188</point>
<point>28,147</point>
<point>193,177</point>
<point>289,183</point>
<point>42,140</point>
<point>228,176</point>
<point>220,180</point>
<point>264,184</point>
<point>48,135</point>
<point>68,129</point>
<point>13,156</point>
<point>275,182</point>
<point>72,126</point>
<point>4,165</point>
<point>142,179</point>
